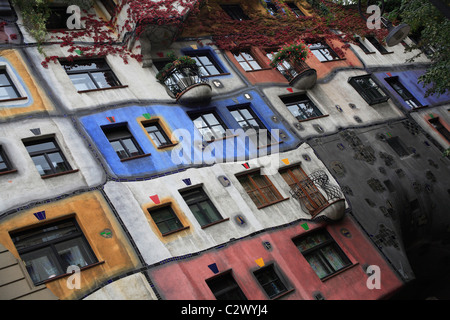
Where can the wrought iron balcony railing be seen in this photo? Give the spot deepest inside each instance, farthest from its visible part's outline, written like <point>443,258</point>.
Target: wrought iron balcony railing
<point>180,79</point>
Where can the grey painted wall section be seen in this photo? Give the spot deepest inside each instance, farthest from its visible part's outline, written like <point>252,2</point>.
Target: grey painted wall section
<point>26,185</point>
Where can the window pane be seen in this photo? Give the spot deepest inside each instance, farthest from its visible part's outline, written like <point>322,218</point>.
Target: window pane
<point>210,211</point>
<point>8,93</point>
<point>333,258</point>
<point>211,119</point>
<point>255,65</point>
<point>318,265</point>
<point>4,81</point>
<point>58,162</point>
<point>131,147</point>
<point>3,166</point>
<point>42,165</point>
<point>73,252</point>
<point>41,264</point>
<point>117,146</point>
<point>43,146</point>
<point>166,220</point>
<point>225,287</point>
<point>312,241</point>
<point>82,82</point>
<point>104,79</point>
<point>270,281</point>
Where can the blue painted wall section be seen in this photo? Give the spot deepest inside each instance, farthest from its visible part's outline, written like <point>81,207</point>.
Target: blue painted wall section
<point>410,81</point>
<point>177,117</point>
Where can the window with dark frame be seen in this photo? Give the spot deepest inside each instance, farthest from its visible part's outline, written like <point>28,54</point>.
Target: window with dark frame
<point>58,18</point>
<point>260,189</point>
<point>437,124</point>
<point>47,156</point>
<point>207,65</point>
<point>5,164</point>
<point>308,192</point>
<point>377,44</point>
<point>165,219</point>
<point>210,125</point>
<point>323,52</point>
<point>362,46</point>
<point>273,10</point>
<point>234,11</point>
<point>158,135</point>
<point>224,287</point>
<point>268,278</point>
<point>247,61</point>
<point>49,250</point>
<point>410,100</point>
<point>122,141</point>
<point>7,88</point>
<point>201,206</point>
<point>90,74</point>
<point>322,253</point>
<point>296,10</point>
<point>368,89</point>
<point>110,6</point>
<point>301,107</point>
<point>248,120</point>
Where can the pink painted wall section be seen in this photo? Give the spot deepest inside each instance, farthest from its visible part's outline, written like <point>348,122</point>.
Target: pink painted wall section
<point>185,279</point>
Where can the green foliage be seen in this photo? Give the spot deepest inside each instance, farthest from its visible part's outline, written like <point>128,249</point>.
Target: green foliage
<point>176,63</point>
<point>291,52</point>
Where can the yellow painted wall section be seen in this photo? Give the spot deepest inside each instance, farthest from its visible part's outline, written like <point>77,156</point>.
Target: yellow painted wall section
<point>40,100</point>
<point>93,216</point>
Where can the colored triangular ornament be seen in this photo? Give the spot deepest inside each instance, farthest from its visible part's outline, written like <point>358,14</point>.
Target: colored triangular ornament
<point>260,262</point>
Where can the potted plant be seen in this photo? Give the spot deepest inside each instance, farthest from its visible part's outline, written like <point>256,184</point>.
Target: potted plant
<point>178,63</point>
<point>295,52</point>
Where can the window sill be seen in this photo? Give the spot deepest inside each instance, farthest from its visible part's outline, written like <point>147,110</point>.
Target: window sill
<point>68,274</point>
<point>14,99</point>
<point>136,157</point>
<point>216,75</point>
<point>390,52</point>
<point>314,118</point>
<point>215,222</point>
<point>223,138</point>
<point>167,146</point>
<point>334,60</point>
<point>282,294</point>
<point>269,145</point>
<point>8,172</point>
<point>275,202</point>
<point>262,69</point>
<point>174,231</point>
<point>59,174</point>
<point>339,272</point>
<point>377,102</point>
<point>102,89</point>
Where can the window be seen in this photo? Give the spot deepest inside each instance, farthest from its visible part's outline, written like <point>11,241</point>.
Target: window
<point>201,206</point>
<point>157,134</point>
<point>323,52</point>
<point>247,61</point>
<point>47,156</point>
<point>273,10</point>
<point>49,250</point>
<point>295,9</point>
<point>270,281</point>
<point>166,220</point>
<point>224,287</point>
<point>437,124</point>
<point>209,125</point>
<point>5,165</point>
<point>110,6</point>
<point>90,74</point>
<point>58,18</point>
<point>377,45</point>
<point>260,189</point>
<point>285,68</point>
<point>322,253</point>
<point>207,64</point>
<point>7,88</point>
<point>403,92</point>
<point>122,141</point>
<point>301,107</point>
<point>248,120</point>
<point>368,89</point>
<point>235,12</point>
<point>305,188</point>
<point>362,46</point>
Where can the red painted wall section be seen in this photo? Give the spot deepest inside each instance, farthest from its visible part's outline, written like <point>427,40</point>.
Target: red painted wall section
<point>185,279</point>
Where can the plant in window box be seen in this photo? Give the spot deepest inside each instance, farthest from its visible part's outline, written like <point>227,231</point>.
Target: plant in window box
<point>295,52</point>
<point>181,75</point>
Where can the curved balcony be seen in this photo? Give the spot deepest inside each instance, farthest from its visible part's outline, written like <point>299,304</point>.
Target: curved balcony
<point>312,201</point>
<point>185,84</point>
<point>299,74</point>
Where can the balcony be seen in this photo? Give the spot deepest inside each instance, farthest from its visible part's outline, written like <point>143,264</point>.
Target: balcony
<point>310,194</point>
<point>185,84</point>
